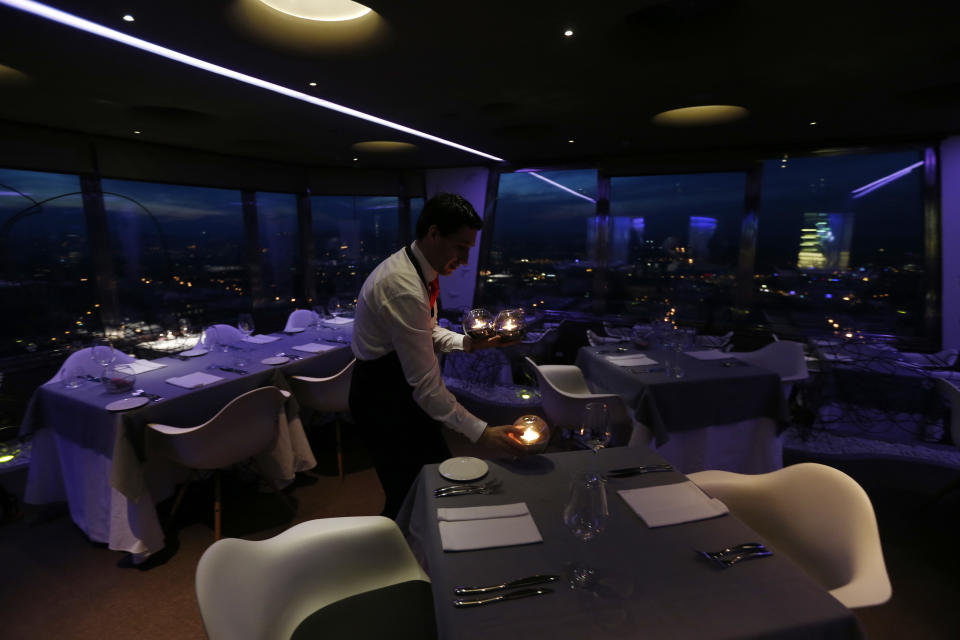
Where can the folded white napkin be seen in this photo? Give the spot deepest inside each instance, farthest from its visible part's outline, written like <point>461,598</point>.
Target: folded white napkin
<point>710,354</point>
<point>194,380</point>
<point>485,527</point>
<point>340,320</point>
<point>260,339</point>
<point>631,360</point>
<point>139,366</point>
<point>672,504</point>
<point>314,347</point>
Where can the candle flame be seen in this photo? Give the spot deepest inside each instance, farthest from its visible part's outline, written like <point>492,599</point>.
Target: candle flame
<point>530,435</point>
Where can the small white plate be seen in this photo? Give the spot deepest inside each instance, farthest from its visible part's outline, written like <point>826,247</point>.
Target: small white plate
<point>127,403</point>
<point>463,469</point>
<point>275,360</point>
<point>295,330</point>
<point>197,351</point>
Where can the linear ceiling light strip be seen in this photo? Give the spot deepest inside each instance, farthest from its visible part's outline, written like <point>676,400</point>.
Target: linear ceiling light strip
<point>560,186</point>
<point>876,184</point>
<point>75,22</point>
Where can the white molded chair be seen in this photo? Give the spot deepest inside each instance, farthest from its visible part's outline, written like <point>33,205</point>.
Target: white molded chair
<point>261,590</point>
<point>247,426</point>
<point>81,363</point>
<point>564,393</point>
<point>819,517</point>
<point>596,339</point>
<point>220,334</point>
<point>785,358</point>
<point>326,395</point>
<point>301,319</point>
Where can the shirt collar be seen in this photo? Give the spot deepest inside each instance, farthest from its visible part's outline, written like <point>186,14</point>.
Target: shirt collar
<point>429,273</point>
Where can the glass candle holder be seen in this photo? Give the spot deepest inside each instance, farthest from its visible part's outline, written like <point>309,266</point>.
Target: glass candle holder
<point>536,432</point>
<point>511,324</point>
<point>478,323</point>
<point>119,379</point>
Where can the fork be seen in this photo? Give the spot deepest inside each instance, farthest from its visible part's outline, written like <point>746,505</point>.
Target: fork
<point>467,489</point>
<point>737,548</point>
<point>743,555</point>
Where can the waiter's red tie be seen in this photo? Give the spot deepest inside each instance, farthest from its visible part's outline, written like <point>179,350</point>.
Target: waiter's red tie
<point>433,288</point>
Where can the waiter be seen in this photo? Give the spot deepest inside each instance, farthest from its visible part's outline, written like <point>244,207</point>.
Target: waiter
<point>397,395</point>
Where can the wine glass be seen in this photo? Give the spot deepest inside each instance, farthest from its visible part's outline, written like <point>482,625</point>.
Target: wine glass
<point>586,515</point>
<point>245,324</point>
<point>335,307</point>
<point>594,430</point>
<point>103,353</point>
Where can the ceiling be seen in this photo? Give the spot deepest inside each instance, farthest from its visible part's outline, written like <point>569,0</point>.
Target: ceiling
<point>496,76</point>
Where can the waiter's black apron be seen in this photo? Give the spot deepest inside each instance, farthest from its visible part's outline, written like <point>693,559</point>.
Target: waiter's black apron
<point>399,435</point>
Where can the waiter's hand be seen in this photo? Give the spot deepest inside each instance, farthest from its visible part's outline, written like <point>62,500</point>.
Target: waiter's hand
<point>471,344</point>
<point>503,439</point>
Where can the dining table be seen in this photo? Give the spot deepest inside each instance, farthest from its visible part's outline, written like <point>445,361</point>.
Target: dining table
<point>719,413</point>
<point>642,581</point>
<point>95,458</point>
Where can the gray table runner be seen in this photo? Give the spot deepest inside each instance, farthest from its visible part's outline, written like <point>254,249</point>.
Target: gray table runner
<point>650,582</point>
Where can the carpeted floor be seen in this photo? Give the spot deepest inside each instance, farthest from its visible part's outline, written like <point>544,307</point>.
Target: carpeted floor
<point>57,584</point>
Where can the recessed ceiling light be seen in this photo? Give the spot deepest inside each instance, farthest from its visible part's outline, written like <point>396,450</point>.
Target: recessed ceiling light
<point>356,159</point>
<point>568,33</point>
<point>70,20</point>
<point>320,10</point>
<point>136,131</point>
<point>571,141</point>
<point>128,18</point>
<point>700,116</point>
<point>813,124</point>
<point>382,146</point>
<point>313,84</point>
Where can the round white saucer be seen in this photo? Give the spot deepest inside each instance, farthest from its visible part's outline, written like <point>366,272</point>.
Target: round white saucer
<point>127,403</point>
<point>463,469</point>
<point>196,351</point>
<point>295,330</point>
<point>275,360</point>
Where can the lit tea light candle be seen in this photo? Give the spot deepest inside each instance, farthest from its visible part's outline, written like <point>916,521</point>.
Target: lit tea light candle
<point>511,324</point>
<point>478,323</point>
<point>536,432</point>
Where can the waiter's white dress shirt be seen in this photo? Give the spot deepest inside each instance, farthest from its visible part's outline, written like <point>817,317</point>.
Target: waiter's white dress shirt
<point>393,314</point>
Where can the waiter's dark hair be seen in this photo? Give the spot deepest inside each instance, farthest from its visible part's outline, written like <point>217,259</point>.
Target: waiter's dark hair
<point>449,212</point>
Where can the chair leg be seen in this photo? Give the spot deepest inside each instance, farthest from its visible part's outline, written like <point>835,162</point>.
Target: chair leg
<point>179,499</point>
<point>339,449</point>
<point>216,505</point>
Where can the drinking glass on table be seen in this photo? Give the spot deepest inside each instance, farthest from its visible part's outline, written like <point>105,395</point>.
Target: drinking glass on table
<point>594,430</point>
<point>103,353</point>
<point>245,324</point>
<point>335,307</point>
<point>586,515</point>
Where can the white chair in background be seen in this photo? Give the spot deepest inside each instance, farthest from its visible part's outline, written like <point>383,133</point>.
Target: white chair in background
<point>81,363</point>
<point>245,427</point>
<point>220,334</point>
<point>326,395</point>
<point>261,590</point>
<point>301,319</point>
<point>785,358</point>
<point>816,515</point>
<point>596,339</point>
<point>714,342</point>
<point>564,393</point>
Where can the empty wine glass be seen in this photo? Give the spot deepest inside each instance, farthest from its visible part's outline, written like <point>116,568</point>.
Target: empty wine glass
<point>245,324</point>
<point>595,428</point>
<point>103,353</point>
<point>586,515</point>
<point>335,307</point>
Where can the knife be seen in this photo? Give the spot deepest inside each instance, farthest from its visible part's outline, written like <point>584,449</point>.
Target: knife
<point>626,472</point>
<point>232,370</point>
<point>510,595</point>
<point>522,582</point>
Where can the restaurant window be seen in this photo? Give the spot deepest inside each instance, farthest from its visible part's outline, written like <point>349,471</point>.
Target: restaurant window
<point>352,235</point>
<point>416,206</point>
<point>541,253</point>
<point>47,289</point>
<point>279,247</point>
<point>840,245</point>
<point>673,240</point>
<point>179,253</point>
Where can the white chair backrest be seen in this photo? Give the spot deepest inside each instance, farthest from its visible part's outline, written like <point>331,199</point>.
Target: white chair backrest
<point>595,339</point>
<point>220,334</point>
<point>301,319</point>
<point>564,394</point>
<point>286,578</point>
<point>331,394</point>
<point>952,393</point>
<point>819,517</point>
<point>785,358</point>
<point>242,429</point>
<point>714,342</point>
<point>81,363</point>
